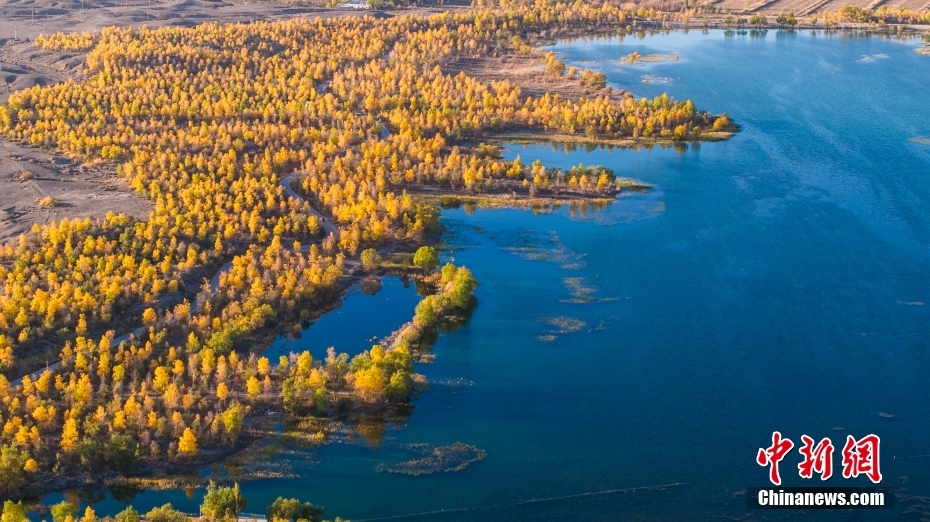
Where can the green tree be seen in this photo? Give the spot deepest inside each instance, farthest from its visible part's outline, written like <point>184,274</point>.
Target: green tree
<point>232,422</point>
<point>127,515</point>
<point>370,258</point>
<point>426,258</point>
<point>63,510</point>
<point>122,452</point>
<point>166,513</point>
<point>425,314</point>
<point>13,512</point>
<point>221,342</point>
<point>289,395</point>
<point>12,477</point>
<point>463,288</point>
<point>284,509</point>
<point>786,19</point>
<point>222,503</point>
<point>399,386</point>
<point>90,451</point>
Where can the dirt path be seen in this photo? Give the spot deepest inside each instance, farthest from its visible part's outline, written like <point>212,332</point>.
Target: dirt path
<point>328,226</point>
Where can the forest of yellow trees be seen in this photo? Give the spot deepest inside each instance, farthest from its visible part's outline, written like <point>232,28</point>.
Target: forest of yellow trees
<point>206,122</point>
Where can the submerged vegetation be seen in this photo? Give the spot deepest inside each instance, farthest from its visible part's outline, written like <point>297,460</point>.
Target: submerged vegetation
<point>454,457</point>
<point>151,328</point>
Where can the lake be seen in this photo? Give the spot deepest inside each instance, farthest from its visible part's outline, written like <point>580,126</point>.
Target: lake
<point>770,282</point>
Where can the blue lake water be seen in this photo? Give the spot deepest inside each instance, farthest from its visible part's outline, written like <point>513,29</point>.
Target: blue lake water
<point>358,323</point>
<point>769,282</point>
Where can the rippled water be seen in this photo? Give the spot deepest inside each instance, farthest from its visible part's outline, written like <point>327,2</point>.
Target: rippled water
<point>769,282</point>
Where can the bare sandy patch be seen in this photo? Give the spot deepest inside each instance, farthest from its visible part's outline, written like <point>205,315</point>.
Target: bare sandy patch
<point>528,73</point>
<point>37,187</point>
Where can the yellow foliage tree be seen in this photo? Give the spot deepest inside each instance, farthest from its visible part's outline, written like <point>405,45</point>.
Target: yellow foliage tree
<point>370,384</point>
<point>187,444</point>
<point>69,436</point>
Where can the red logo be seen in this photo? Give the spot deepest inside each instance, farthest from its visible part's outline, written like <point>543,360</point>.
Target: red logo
<point>859,457</point>
<point>862,457</point>
<point>819,459</point>
<point>772,455</point>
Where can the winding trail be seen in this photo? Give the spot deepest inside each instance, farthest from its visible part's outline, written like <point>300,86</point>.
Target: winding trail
<point>327,225</point>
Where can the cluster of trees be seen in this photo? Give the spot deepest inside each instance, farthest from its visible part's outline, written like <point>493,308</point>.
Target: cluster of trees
<point>786,19</point>
<point>205,122</point>
<point>220,504</point>
<point>456,286</point>
<point>881,16</point>
<point>73,42</point>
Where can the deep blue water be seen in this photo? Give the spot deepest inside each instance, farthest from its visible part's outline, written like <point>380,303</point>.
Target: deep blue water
<point>763,285</point>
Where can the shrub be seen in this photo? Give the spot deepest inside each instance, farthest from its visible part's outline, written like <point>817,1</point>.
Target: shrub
<point>426,258</point>
<point>370,258</point>
<point>127,515</point>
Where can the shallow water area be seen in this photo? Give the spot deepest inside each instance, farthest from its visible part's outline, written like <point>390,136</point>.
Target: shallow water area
<point>359,321</point>
<point>768,282</point>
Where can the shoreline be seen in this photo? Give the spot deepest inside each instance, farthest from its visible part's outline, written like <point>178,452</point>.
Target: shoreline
<point>525,138</point>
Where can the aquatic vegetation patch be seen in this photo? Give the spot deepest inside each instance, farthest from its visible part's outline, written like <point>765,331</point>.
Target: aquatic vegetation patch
<point>454,457</point>
<point>423,357</point>
<point>186,481</point>
<point>527,253</point>
<point>452,384</point>
<point>580,292</point>
<point>920,140</point>
<point>528,245</point>
<point>636,58</point>
<point>564,324</point>
<point>565,257</point>
<point>547,339</point>
<point>923,50</point>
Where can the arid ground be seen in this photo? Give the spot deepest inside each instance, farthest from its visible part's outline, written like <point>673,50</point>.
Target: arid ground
<point>28,176</point>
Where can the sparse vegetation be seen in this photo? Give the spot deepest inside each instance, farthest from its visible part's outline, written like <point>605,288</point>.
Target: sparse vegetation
<point>47,201</point>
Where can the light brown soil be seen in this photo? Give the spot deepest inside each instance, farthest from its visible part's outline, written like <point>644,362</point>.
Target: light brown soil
<point>77,191</point>
<point>23,66</point>
<point>526,72</point>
